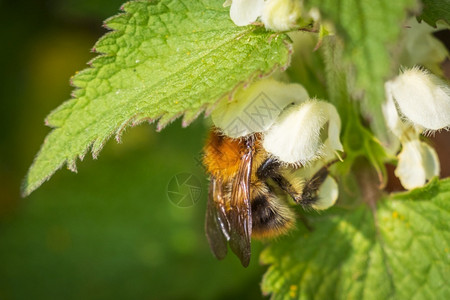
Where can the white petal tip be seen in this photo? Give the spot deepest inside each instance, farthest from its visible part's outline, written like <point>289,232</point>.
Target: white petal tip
<point>417,163</point>
<point>328,194</point>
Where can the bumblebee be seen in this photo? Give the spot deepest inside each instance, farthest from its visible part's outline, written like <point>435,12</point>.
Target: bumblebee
<point>244,194</point>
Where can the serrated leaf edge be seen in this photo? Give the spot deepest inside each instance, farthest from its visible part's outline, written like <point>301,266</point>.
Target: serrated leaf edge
<point>97,145</point>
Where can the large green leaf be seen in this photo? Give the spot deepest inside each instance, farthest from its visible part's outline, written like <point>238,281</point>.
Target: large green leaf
<point>398,250</point>
<point>368,28</point>
<point>163,59</point>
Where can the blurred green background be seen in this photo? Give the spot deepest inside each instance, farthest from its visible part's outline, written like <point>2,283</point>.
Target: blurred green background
<point>110,231</point>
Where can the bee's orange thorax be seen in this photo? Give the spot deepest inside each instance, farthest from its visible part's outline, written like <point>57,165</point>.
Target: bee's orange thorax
<point>223,155</point>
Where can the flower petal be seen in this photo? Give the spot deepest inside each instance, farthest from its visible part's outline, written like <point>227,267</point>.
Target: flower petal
<point>422,98</point>
<point>334,128</point>
<point>256,108</point>
<point>417,163</point>
<point>328,194</point>
<point>281,15</point>
<point>245,12</point>
<point>296,137</point>
<point>390,112</point>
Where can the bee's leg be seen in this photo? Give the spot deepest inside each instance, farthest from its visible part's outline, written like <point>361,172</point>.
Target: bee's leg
<point>311,187</point>
<point>270,169</point>
<point>304,194</point>
<point>309,194</point>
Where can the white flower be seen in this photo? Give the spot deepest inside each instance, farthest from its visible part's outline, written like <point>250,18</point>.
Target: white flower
<point>277,15</point>
<point>245,12</point>
<point>255,108</point>
<point>304,132</point>
<point>416,101</point>
<point>391,115</point>
<point>422,98</point>
<point>417,163</point>
<point>281,15</point>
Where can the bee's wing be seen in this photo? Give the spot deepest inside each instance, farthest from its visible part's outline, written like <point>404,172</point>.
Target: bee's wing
<point>240,214</point>
<point>217,225</point>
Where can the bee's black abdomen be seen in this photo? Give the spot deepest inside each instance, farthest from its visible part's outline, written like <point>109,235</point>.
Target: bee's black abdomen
<point>270,217</point>
<point>262,213</point>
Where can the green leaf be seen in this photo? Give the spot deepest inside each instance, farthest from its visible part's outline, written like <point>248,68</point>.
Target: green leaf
<point>368,28</point>
<point>435,10</point>
<point>357,140</point>
<point>164,59</point>
<point>400,250</point>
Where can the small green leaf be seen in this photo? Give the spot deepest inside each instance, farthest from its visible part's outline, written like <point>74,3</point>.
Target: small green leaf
<point>435,10</point>
<point>368,28</point>
<point>164,59</point>
<point>398,251</point>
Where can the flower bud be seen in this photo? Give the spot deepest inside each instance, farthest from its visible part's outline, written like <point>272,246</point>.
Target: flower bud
<point>417,163</point>
<point>281,15</point>
<point>245,12</point>
<point>277,15</point>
